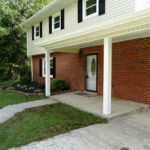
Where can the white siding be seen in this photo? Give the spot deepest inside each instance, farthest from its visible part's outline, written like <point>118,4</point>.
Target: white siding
<point>114,9</point>
<point>31,48</point>
<point>142,4</point>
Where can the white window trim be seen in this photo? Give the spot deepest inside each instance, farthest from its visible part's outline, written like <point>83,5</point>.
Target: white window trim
<point>84,10</point>
<point>44,67</point>
<point>53,17</point>
<point>37,25</point>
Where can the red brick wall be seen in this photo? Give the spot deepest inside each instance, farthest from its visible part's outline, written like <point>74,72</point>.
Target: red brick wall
<point>68,66</point>
<point>131,69</point>
<point>36,69</point>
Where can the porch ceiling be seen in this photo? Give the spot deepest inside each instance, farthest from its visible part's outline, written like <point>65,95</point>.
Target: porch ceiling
<point>76,48</point>
<point>136,26</point>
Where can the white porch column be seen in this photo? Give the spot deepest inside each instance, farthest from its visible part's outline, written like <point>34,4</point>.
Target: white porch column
<point>47,74</point>
<point>107,79</point>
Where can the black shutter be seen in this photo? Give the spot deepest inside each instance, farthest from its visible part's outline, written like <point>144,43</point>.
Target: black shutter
<point>80,10</point>
<point>54,66</point>
<point>101,7</point>
<point>40,67</point>
<point>50,25</point>
<point>62,19</point>
<point>41,29</point>
<point>53,69</point>
<point>32,33</point>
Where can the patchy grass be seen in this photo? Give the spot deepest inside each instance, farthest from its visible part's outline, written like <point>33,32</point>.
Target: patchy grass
<point>9,98</point>
<point>43,122</point>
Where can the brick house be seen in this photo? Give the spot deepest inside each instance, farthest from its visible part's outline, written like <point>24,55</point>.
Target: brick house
<point>101,46</point>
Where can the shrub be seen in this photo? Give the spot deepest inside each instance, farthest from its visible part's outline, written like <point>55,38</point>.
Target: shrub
<point>25,75</point>
<point>25,79</point>
<point>4,77</point>
<point>58,85</point>
<point>37,85</point>
<point>32,87</point>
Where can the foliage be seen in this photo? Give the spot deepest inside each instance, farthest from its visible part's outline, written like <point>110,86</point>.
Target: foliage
<point>25,79</point>
<point>58,85</point>
<point>25,75</point>
<point>12,36</point>
<point>6,84</point>
<point>31,87</point>
<point>25,83</point>
<point>9,98</point>
<point>43,122</point>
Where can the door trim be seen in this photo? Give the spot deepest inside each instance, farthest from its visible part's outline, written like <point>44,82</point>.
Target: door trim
<point>86,71</point>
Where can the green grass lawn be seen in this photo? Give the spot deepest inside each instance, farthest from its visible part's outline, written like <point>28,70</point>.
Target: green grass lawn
<point>43,122</point>
<point>9,98</point>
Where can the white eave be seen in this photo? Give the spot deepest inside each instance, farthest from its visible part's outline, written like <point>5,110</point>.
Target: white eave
<point>119,26</point>
<point>45,12</point>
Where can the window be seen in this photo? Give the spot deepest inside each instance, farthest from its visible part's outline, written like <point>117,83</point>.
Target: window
<point>37,31</point>
<point>52,68</point>
<point>56,21</point>
<point>90,8</point>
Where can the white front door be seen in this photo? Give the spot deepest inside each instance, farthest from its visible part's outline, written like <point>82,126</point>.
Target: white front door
<point>91,72</point>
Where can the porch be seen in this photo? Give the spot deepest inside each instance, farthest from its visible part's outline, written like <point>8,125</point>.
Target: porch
<point>106,105</point>
<point>137,26</point>
<point>93,103</point>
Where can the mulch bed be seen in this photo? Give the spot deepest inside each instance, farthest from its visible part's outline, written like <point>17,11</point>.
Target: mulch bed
<point>39,94</point>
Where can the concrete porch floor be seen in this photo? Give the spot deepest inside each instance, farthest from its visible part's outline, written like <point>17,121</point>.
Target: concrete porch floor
<point>94,104</point>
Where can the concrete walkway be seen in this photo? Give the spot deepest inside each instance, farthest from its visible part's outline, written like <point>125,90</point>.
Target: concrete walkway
<point>9,111</point>
<point>94,104</point>
<point>131,131</point>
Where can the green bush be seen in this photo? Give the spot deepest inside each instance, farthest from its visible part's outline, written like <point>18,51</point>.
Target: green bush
<point>25,75</point>
<point>37,85</point>
<point>26,78</point>
<point>31,87</point>
<point>4,77</point>
<point>58,85</point>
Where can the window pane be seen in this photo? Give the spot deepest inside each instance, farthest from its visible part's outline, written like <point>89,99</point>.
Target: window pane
<point>90,10</point>
<point>56,19</point>
<point>51,63</point>
<point>52,71</point>
<point>38,33</point>
<point>57,25</point>
<point>90,3</point>
<point>37,28</point>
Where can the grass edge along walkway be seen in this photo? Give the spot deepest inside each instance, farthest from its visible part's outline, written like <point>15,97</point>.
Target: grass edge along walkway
<point>43,122</point>
<point>10,98</point>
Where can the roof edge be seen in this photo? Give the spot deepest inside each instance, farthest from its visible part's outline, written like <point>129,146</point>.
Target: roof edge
<point>39,13</point>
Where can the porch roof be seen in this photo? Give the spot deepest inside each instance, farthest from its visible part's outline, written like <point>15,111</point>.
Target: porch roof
<point>137,23</point>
